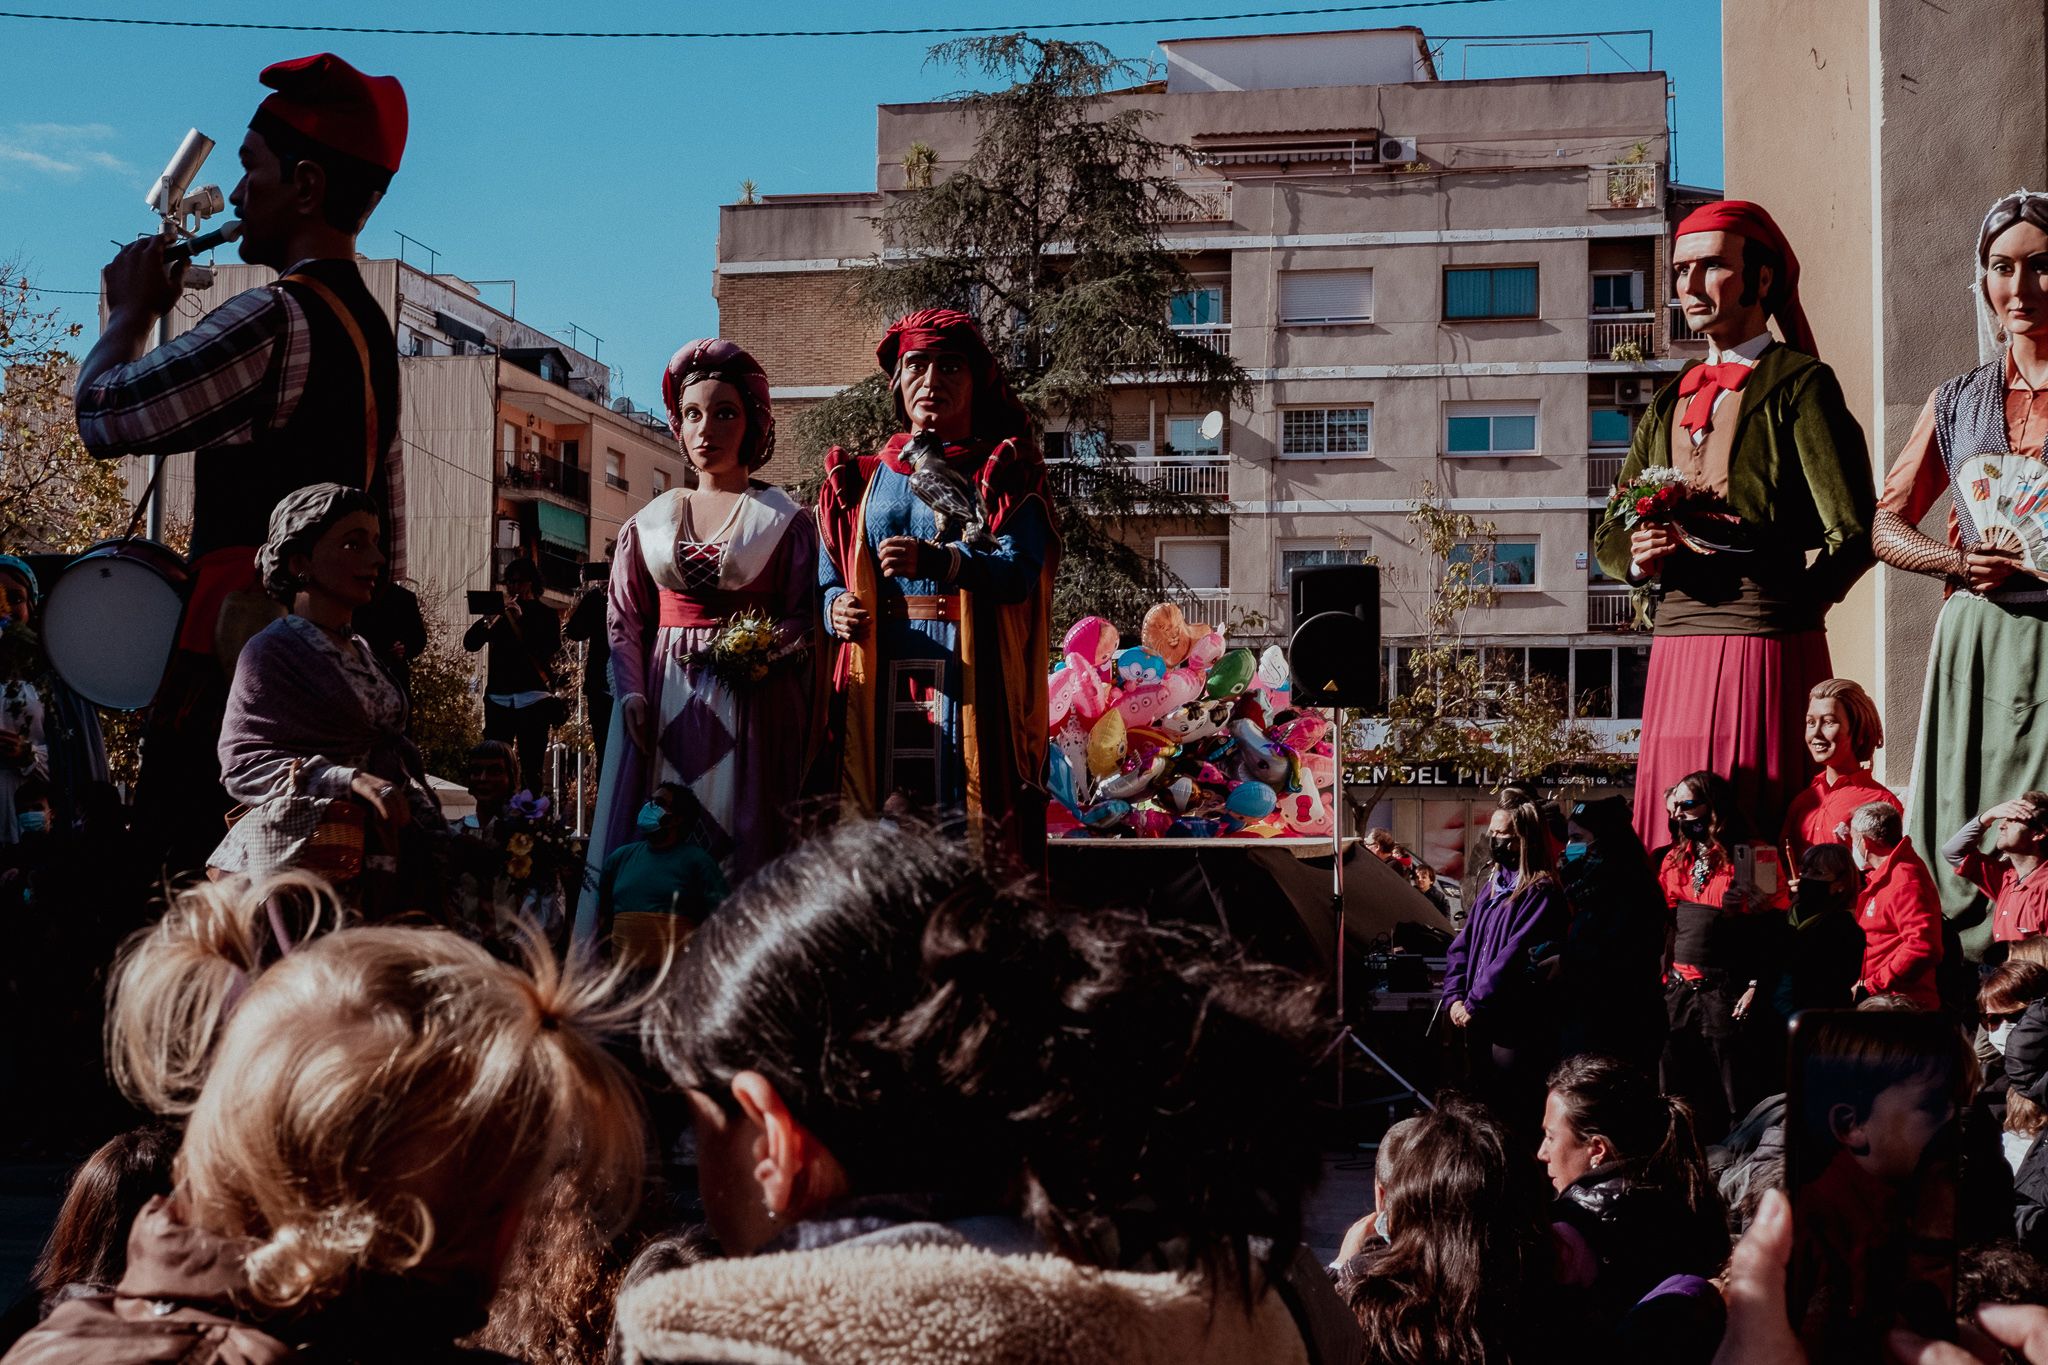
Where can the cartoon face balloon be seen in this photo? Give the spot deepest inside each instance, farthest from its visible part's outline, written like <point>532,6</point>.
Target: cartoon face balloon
<point>1139,665</point>
<point>1106,744</point>
<point>1198,720</point>
<point>1207,649</point>
<point>1229,674</point>
<point>1093,638</point>
<point>1145,704</point>
<point>1168,634</point>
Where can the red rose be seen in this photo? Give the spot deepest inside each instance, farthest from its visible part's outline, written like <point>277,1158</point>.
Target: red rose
<point>1645,506</point>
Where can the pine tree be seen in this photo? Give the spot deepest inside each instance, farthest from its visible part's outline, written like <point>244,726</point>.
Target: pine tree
<point>1052,234</point>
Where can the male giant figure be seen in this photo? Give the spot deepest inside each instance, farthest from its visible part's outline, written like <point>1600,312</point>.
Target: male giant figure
<point>1741,637</point>
<point>282,386</point>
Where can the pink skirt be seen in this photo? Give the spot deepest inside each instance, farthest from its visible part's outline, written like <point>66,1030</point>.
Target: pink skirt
<point>1733,705</point>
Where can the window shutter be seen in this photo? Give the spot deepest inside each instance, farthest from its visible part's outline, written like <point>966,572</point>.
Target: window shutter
<point>1198,563</point>
<point>1326,296</point>
<point>1635,290</point>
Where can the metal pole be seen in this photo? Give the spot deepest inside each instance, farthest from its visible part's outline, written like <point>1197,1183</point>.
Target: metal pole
<point>158,335</point>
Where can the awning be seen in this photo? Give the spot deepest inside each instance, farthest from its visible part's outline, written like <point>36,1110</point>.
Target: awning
<point>560,526</point>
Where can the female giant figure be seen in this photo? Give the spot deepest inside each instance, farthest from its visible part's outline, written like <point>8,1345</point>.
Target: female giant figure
<point>686,565</point>
<point>1979,738</point>
<point>937,571</point>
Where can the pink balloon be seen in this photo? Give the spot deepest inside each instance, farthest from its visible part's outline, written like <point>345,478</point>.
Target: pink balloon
<point>1091,695</point>
<point>1183,685</point>
<point>1093,638</point>
<point>1060,690</point>
<point>1145,704</point>
<point>1207,649</point>
<point>1305,812</point>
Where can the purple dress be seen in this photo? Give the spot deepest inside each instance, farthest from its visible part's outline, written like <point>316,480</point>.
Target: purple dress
<point>741,753</point>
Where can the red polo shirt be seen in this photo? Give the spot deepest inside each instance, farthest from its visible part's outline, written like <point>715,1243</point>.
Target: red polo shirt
<point>1900,915</point>
<point>2019,906</point>
<point>1818,813</point>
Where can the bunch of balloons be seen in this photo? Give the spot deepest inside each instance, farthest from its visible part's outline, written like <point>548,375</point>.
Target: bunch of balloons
<point>1179,736</point>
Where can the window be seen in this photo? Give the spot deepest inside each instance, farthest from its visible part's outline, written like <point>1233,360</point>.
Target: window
<point>615,470</point>
<point>1593,687</point>
<point>1325,296</point>
<point>1197,308</point>
<point>1490,292</point>
<point>571,453</point>
<point>1610,427</point>
<point>1313,554</point>
<point>1197,563</point>
<point>510,437</point>
<point>1617,291</point>
<point>1325,431</point>
<point>661,480</point>
<point>1184,434</point>
<point>1489,428</point>
<point>1513,564</point>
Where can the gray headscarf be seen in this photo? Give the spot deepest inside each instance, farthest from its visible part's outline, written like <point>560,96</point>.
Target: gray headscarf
<point>299,520</point>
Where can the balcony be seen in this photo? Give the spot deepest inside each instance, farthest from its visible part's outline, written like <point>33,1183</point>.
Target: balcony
<point>1625,185</point>
<point>1214,335</point>
<point>1602,473</point>
<point>526,471</point>
<point>1682,333</point>
<point>1610,609</point>
<point>1208,202</point>
<point>617,481</point>
<point>1633,335</point>
<point>1194,476</point>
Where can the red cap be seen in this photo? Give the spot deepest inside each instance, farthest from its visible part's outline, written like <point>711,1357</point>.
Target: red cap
<point>934,329</point>
<point>325,99</point>
<point>1752,222</point>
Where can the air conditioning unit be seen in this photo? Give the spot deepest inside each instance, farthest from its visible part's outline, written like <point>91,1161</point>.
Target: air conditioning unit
<point>1630,393</point>
<point>1396,150</point>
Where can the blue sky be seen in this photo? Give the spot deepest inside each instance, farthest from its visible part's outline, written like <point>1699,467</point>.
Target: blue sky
<point>591,171</point>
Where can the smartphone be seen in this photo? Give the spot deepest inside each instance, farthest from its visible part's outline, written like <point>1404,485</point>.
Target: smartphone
<point>1873,1166</point>
<point>1757,868</point>
<point>486,602</point>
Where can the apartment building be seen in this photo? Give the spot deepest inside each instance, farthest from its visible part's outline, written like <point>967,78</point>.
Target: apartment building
<point>512,444</point>
<point>1453,284</point>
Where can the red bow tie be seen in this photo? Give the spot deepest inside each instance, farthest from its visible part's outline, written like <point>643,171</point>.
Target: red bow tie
<point>1703,384</point>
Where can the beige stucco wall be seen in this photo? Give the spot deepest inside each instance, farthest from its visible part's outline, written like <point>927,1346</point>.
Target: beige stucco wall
<point>1877,133</point>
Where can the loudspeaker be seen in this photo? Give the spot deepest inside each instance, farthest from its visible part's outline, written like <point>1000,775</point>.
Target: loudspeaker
<point>1334,654</point>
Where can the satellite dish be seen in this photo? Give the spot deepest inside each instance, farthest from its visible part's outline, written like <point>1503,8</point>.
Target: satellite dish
<point>1212,426</point>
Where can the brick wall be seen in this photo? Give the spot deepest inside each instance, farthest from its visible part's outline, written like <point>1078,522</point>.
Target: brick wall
<point>802,327</point>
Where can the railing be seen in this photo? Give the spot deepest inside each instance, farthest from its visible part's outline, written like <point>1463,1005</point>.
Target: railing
<point>617,481</point>
<point>1625,185</point>
<point>1602,473</point>
<point>1214,335</point>
<point>1635,331</point>
<point>1210,202</point>
<point>1194,476</point>
<point>1610,609</point>
<point>524,469</point>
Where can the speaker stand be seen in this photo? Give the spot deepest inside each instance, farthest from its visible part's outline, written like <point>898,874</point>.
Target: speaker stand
<point>1346,1033</point>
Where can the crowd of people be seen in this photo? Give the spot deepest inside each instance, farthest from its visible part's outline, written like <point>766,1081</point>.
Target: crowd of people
<point>799,1058</point>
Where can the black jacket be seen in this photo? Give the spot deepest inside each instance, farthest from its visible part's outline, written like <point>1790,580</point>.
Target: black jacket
<point>524,640</point>
<point>1640,1234</point>
<point>588,622</point>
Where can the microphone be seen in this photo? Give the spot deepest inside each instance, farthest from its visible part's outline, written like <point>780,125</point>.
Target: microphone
<point>230,231</point>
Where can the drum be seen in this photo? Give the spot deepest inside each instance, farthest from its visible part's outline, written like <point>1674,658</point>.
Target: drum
<point>110,620</point>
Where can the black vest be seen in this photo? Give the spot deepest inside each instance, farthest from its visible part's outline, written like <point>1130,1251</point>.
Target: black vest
<point>236,486</point>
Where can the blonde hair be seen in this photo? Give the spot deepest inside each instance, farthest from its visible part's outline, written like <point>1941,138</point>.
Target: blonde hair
<point>1866,727</point>
<point>2032,948</point>
<point>2023,1116</point>
<point>383,1099</point>
<point>174,983</point>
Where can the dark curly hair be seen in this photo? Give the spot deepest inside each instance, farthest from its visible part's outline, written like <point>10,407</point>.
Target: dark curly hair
<point>1125,1086</point>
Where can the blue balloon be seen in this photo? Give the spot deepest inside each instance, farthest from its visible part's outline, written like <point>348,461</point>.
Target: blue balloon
<point>1139,665</point>
<point>1251,801</point>
<point>1059,776</point>
<point>1104,814</point>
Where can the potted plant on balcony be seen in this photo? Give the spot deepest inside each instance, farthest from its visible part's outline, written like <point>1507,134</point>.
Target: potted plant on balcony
<point>1631,183</point>
<point>1628,352</point>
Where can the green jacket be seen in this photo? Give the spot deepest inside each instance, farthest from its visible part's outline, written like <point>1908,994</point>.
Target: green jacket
<point>1799,472</point>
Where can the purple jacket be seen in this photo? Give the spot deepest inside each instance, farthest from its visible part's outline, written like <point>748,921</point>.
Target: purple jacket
<point>1488,964</point>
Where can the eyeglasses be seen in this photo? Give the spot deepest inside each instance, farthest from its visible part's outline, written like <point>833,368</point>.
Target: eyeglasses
<point>1992,1021</point>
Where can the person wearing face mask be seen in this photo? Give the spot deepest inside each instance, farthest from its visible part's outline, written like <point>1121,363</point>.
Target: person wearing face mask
<point>1898,910</point>
<point>1492,989</point>
<point>1826,944</point>
<point>1724,941</point>
<point>1614,950</point>
<point>655,891</point>
<point>1843,731</point>
<point>937,576</point>
<point>2019,899</point>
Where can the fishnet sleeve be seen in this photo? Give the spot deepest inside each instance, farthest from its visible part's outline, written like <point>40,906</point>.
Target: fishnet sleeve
<point>1902,546</point>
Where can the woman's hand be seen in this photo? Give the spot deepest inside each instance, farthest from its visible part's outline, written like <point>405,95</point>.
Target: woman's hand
<point>1987,569</point>
<point>383,798</point>
<point>2022,1327</point>
<point>849,617</point>
<point>633,716</point>
<point>1459,1014</point>
<point>1742,1004</point>
<point>1359,1236</point>
<point>1759,1333</point>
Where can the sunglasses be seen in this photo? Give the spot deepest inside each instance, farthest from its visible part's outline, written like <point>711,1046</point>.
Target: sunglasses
<point>1992,1021</point>
<point>1693,803</point>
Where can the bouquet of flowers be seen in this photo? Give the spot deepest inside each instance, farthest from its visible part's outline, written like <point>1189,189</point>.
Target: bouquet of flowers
<point>744,651</point>
<point>522,865</point>
<point>1699,518</point>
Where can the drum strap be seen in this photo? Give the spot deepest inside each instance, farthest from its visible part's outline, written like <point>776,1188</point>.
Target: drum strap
<point>355,336</point>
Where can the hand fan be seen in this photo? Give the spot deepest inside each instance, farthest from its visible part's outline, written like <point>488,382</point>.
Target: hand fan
<point>2007,499</point>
